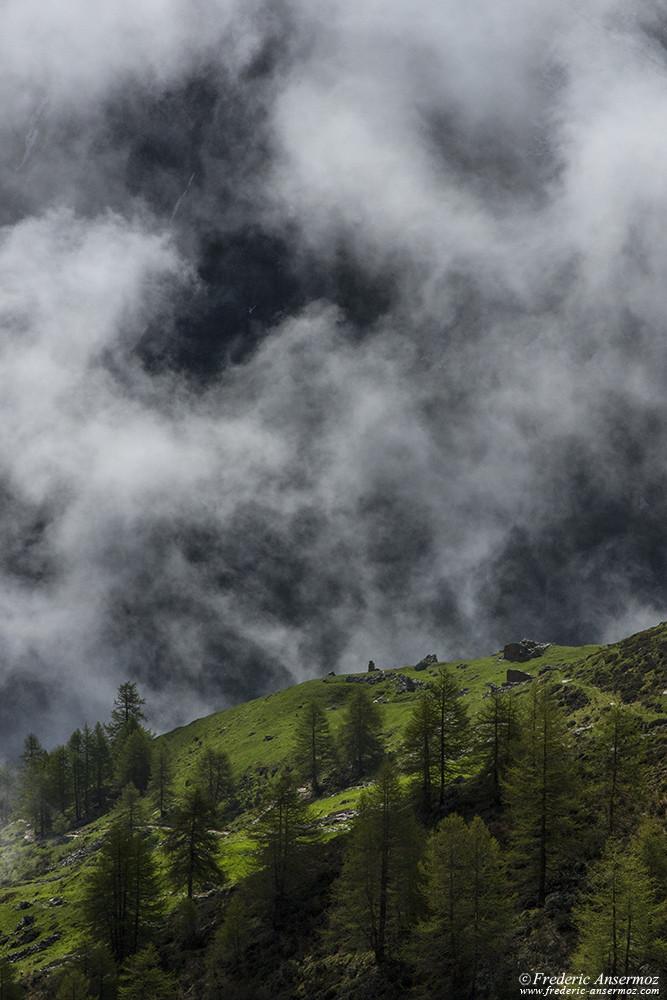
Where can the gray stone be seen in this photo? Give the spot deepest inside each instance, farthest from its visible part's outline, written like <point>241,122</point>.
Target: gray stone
<point>517,676</point>
<point>527,649</point>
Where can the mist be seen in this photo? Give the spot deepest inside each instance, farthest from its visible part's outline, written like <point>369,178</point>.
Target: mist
<point>328,335</point>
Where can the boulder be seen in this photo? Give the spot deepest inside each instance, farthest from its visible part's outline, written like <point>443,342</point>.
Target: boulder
<point>527,649</point>
<point>517,677</point>
<point>428,661</point>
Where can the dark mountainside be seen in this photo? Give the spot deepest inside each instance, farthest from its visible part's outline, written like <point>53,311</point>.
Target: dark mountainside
<point>434,830</point>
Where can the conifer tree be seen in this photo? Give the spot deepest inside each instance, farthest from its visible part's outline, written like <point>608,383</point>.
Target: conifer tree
<point>214,775</point>
<point>35,791</point>
<point>96,963</point>
<point>59,777</point>
<point>377,893</point>
<point>469,906</point>
<point>282,835</point>
<point>620,766</point>
<point>539,790</point>
<point>133,752</point>
<point>9,988</point>
<point>453,727</point>
<point>100,763</point>
<point>617,924</point>
<point>162,776</point>
<point>8,782</point>
<point>122,893</point>
<point>127,706</point>
<point>420,744</point>
<point>192,846</point>
<point>359,735</point>
<point>73,986</point>
<point>75,760</point>
<point>142,978</point>
<point>497,731</point>
<point>313,745</point>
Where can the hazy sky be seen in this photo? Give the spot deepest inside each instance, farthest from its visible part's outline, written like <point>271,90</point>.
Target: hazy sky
<point>330,332</point>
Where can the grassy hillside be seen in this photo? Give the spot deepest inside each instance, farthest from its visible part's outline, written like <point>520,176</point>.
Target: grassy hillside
<point>41,880</point>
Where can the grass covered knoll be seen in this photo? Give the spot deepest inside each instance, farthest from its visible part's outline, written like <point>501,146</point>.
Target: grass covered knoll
<point>213,939</point>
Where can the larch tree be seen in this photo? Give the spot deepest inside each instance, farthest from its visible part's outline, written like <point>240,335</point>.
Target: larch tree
<point>127,706</point>
<point>376,896</point>
<point>214,775</point>
<point>35,784</point>
<point>192,846</point>
<point>142,978</point>
<point>100,764</point>
<point>162,776</point>
<point>122,894</point>
<point>469,906</point>
<point>619,762</point>
<point>497,732</point>
<point>133,756</point>
<point>617,924</point>
<point>453,726</point>
<point>8,783</point>
<point>420,744</point>
<point>360,732</point>
<point>313,744</point>
<point>282,835</point>
<point>539,790</point>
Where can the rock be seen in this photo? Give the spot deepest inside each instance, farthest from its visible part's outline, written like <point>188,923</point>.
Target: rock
<point>371,667</point>
<point>23,905</point>
<point>428,661</point>
<point>527,649</point>
<point>28,936</point>
<point>406,685</point>
<point>546,669</point>
<point>517,677</point>
<point>332,673</point>
<point>266,738</point>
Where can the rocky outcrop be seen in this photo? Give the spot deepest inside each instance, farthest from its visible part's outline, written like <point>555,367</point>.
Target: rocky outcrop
<point>527,649</point>
<point>428,661</point>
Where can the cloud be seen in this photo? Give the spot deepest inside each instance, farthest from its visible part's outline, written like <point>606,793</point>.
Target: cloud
<point>328,333</point>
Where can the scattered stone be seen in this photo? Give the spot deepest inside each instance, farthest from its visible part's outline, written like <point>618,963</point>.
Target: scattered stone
<point>267,737</point>
<point>25,922</point>
<point>57,901</point>
<point>406,685</point>
<point>23,905</point>
<point>527,649</point>
<point>655,723</point>
<point>28,936</point>
<point>546,669</point>
<point>490,684</point>
<point>517,677</point>
<point>33,949</point>
<point>427,661</point>
<point>332,673</point>
<point>374,678</point>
